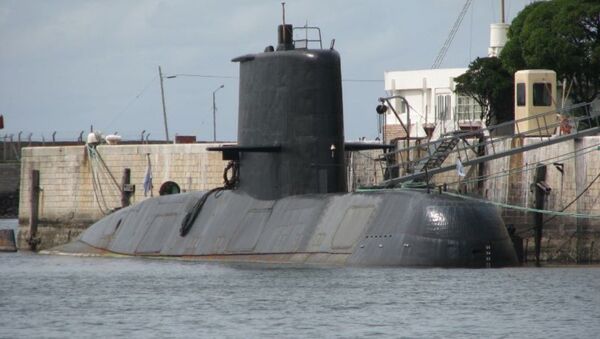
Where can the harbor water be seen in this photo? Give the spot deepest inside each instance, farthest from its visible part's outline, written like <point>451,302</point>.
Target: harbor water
<point>45,296</point>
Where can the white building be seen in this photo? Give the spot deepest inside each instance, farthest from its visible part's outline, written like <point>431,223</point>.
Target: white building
<point>431,100</point>
<point>431,103</point>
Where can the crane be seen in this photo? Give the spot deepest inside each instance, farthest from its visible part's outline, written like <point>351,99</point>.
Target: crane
<point>442,53</point>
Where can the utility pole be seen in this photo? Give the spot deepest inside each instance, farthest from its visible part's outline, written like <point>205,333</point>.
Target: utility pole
<point>162,94</point>
<point>215,113</point>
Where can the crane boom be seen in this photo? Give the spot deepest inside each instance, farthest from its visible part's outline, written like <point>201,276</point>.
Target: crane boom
<point>442,53</point>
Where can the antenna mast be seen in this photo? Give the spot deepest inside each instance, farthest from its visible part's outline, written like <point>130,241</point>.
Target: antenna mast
<point>283,18</point>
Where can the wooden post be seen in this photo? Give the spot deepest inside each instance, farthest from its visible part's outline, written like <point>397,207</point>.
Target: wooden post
<point>580,184</point>
<point>540,194</point>
<point>126,188</point>
<point>526,248</point>
<point>34,199</point>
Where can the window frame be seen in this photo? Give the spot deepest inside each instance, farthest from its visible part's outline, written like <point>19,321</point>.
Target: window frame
<point>542,94</point>
<point>521,94</point>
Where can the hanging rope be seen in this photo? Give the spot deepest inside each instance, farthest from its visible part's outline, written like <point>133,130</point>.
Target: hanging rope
<point>229,183</point>
<point>190,217</point>
<point>99,172</point>
<point>578,196</point>
<point>564,208</point>
<point>96,187</point>
<point>559,249</point>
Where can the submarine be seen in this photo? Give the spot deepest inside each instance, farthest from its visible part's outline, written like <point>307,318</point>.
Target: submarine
<point>285,198</point>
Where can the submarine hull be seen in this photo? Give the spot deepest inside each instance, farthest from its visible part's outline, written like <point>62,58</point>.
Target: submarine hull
<point>382,228</point>
<point>286,200</point>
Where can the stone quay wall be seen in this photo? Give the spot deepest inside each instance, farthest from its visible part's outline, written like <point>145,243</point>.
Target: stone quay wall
<point>572,170</point>
<point>363,169</point>
<point>76,190</point>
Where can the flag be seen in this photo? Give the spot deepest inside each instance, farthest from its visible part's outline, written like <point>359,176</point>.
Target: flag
<point>460,169</point>
<point>148,178</point>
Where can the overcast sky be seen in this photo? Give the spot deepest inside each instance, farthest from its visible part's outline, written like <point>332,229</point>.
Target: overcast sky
<point>66,65</point>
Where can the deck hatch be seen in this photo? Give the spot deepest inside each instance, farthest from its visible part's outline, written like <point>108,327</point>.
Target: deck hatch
<point>352,226</point>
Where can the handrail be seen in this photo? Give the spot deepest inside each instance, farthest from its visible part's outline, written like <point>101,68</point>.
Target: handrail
<point>306,40</point>
<point>484,141</point>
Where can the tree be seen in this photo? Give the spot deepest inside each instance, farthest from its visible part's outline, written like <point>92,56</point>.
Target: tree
<point>491,86</point>
<point>562,35</point>
<point>512,53</point>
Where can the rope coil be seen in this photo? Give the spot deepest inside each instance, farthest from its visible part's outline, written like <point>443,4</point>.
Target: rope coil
<point>230,182</point>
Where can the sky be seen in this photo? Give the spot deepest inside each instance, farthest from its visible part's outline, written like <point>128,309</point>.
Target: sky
<point>67,65</point>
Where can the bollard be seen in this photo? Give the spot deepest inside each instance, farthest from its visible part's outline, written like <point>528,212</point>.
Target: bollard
<point>127,190</point>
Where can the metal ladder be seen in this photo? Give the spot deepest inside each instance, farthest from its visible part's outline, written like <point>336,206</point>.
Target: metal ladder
<point>438,151</point>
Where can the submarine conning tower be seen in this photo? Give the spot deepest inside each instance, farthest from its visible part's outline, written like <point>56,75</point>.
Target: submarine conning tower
<point>290,124</point>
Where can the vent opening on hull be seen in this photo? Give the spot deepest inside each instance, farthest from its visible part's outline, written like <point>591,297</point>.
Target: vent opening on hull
<point>169,187</point>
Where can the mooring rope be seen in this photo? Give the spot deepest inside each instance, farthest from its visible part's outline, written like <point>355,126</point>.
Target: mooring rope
<point>96,162</point>
<point>529,167</point>
<point>499,204</point>
<point>526,209</point>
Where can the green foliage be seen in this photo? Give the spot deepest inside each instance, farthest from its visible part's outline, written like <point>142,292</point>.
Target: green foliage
<point>561,35</point>
<point>491,85</point>
<point>512,55</point>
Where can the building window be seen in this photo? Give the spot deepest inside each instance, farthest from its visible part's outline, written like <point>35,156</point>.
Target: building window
<point>541,94</point>
<point>401,105</point>
<point>521,94</point>
<point>467,109</point>
<point>442,107</point>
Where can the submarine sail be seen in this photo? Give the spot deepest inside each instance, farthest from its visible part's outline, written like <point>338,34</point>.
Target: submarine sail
<point>291,99</point>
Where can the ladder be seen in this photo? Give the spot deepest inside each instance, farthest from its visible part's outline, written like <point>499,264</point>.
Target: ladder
<point>437,151</point>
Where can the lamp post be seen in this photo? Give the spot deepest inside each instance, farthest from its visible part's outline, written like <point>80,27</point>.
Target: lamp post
<point>162,94</point>
<point>215,113</point>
